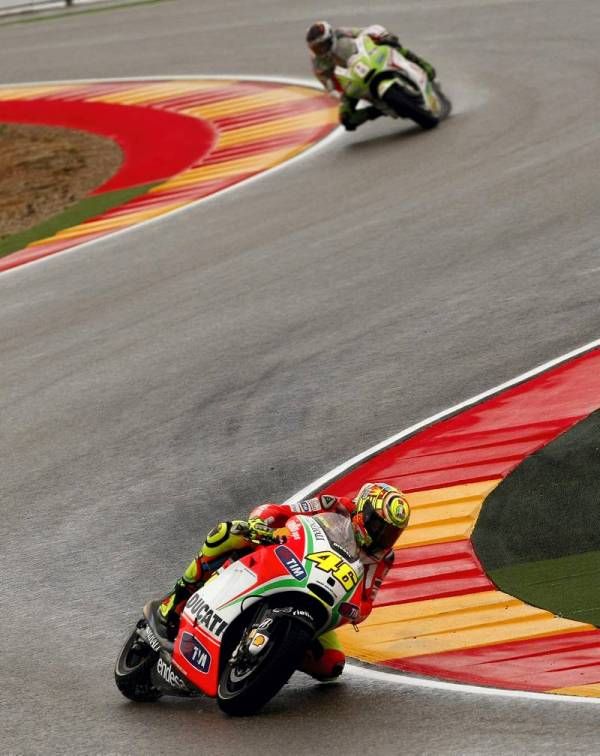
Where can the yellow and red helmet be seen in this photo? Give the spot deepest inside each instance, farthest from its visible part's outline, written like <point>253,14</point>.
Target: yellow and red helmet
<point>380,516</point>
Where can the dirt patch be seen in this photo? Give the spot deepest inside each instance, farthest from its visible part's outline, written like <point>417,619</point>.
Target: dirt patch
<point>44,169</point>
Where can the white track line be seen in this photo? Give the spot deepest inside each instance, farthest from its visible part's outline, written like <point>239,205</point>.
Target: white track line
<point>316,485</point>
<point>420,682</point>
<point>416,682</point>
<point>308,152</point>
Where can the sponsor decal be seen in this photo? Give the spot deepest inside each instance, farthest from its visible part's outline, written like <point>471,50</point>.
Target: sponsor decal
<point>206,616</point>
<point>258,642</point>
<point>328,501</point>
<point>153,641</point>
<point>165,670</point>
<point>192,650</point>
<point>306,506</point>
<point>291,562</point>
<point>316,530</point>
<point>339,568</point>
<point>342,551</point>
<point>293,612</point>
<point>303,613</point>
<point>350,611</point>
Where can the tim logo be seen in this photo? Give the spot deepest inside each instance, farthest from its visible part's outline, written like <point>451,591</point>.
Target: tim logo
<point>291,562</point>
<point>195,652</point>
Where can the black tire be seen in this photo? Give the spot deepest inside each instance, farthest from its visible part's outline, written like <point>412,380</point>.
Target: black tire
<point>446,104</point>
<point>406,107</point>
<point>258,685</point>
<point>133,671</point>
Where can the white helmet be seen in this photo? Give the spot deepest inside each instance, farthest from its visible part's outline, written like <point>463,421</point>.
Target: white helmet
<point>319,37</point>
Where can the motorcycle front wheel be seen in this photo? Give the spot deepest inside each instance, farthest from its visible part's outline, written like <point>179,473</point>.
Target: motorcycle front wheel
<point>406,107</point>
<point>133,670</point>
<point>246,685</point>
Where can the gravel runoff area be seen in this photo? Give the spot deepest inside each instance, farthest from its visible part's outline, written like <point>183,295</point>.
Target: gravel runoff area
<point>44,170</point>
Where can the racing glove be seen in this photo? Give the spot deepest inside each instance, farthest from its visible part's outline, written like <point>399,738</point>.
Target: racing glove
<point>259,532</point>
<point>387,39</point>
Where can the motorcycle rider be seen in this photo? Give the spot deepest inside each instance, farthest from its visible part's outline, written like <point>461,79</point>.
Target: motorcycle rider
<point>379,514</point>
<point>329,47</point>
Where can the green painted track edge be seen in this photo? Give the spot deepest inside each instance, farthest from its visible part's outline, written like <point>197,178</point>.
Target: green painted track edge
<point>85,209</point>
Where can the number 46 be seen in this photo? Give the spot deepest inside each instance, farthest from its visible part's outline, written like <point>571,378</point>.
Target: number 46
<point>340,569</point>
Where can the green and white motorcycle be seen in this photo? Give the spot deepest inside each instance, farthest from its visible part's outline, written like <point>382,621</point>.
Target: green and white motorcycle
<point>399,88</point>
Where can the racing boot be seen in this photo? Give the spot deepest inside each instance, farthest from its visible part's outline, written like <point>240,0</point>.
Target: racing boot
<point>351,117</point>
<point>225,541</point>
<point>171,606</point>
<point>324,660</point>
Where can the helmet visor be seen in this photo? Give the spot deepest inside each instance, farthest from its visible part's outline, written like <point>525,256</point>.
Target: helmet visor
<point>321,47</point>
<point>383,535</point>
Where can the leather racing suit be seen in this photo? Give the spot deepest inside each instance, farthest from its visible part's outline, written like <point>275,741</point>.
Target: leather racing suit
<point>324,69</point>
<point>227,540</point>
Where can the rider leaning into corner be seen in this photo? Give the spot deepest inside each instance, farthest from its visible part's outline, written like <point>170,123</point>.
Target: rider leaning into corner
<point>330,47</point>
<point>379,514</point>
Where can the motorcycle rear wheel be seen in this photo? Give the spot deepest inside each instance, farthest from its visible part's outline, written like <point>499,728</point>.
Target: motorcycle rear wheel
<point>245,691</point>
<point>133,671</point>
<point>406,107</point>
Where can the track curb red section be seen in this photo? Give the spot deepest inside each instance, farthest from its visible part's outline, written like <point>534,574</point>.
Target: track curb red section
<point>155,143</point>
<point>184,140</point>
<point>439,614</point>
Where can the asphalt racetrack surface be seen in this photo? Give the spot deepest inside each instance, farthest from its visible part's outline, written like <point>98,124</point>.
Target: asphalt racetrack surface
<point>187,370</point>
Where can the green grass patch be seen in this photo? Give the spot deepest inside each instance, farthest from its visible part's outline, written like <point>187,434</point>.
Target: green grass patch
<point>549,506</point>
<point>72,216</point>
<point>538,534</point>
<point>75,11</point>
<point>568,586</point>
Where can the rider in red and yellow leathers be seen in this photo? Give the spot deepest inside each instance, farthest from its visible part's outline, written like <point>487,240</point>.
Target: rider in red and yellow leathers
<point>379,514</point>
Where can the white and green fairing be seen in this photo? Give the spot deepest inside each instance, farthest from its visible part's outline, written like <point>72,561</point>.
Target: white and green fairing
<point>368,61</point>
<point>368,57</point>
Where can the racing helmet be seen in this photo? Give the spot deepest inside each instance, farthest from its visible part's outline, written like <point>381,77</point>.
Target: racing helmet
<point>320,38</point>
<point>380,516</point>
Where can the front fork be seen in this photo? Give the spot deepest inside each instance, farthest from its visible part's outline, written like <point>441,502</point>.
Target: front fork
<point>256,638</point>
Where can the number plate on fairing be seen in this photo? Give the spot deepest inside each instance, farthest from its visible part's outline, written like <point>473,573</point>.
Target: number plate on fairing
<point>361,69</point>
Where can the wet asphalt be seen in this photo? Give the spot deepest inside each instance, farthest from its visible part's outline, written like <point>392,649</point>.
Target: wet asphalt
<point>192,368</point>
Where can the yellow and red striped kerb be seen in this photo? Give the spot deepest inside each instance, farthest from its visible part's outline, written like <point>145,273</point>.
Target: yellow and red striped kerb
<point>257,125</point>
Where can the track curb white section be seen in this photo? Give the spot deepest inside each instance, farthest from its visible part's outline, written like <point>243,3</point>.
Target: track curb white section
<point>432,683</point>
<point>337,471</point>
<point>308,152</point>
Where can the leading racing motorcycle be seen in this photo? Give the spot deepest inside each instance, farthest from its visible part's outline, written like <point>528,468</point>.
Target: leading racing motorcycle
<point>381,75</point>
<point>246,630</point>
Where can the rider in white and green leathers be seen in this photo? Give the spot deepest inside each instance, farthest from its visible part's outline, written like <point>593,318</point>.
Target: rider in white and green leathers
<point>331,47</point>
